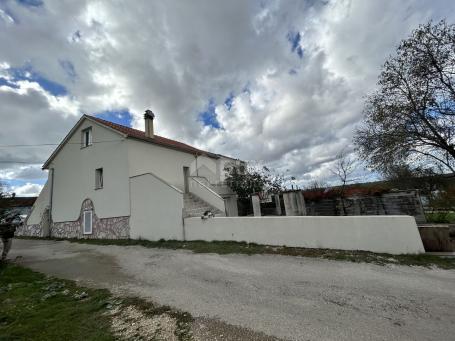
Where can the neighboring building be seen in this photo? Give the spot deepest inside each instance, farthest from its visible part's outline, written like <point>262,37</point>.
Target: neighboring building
<point>17,205</point>
<point>110,181</point>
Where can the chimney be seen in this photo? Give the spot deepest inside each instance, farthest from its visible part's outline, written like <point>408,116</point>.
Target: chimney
<point>148,117</point>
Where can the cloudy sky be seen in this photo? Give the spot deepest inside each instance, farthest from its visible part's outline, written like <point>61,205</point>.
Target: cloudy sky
<point>281,82</point>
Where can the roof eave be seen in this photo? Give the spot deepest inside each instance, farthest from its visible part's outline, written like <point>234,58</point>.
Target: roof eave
<point>199,152</point>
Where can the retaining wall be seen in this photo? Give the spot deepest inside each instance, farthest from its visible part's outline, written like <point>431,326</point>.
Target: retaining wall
<point>384,234</point>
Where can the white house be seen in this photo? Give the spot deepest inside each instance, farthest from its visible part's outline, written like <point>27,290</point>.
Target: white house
<point>111,181</point>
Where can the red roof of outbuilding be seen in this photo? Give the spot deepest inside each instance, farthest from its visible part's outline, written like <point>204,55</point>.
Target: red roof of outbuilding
<point>12,202</point>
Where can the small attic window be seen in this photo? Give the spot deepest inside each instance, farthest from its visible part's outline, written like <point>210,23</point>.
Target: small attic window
<point>86,137</point>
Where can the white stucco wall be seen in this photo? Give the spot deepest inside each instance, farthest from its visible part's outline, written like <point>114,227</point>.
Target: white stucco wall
<point>387,234</point>
<point>156,209</point>
<point>164,162</point>
<point>40,205</point>
<point>74,175</point>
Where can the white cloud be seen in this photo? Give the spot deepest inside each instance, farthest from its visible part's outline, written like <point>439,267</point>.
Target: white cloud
<point>6,17</point>
<point>27,190</point>
<point>173,57</point>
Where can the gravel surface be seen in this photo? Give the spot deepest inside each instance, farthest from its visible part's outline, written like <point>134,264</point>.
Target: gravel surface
<point>291,298</point>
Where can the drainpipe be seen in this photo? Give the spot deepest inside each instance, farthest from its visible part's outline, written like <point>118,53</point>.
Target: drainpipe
<point>197,170</point>
<point>51,200</point>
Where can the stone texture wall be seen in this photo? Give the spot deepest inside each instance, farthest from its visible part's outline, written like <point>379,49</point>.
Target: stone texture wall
<point>34,230</point>
<point>102,228</point>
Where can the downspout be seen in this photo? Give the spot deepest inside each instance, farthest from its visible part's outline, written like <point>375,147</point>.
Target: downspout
<point>197,169</point>
<point>51,201</point>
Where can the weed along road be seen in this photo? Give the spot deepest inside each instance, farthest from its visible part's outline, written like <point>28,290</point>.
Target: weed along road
<point>292,298</point>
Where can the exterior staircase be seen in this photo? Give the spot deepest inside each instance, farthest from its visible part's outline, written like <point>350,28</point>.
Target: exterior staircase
<point>194,206</point>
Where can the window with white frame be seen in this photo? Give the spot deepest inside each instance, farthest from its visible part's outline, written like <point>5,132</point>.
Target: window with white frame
<point>98,178</point>
<point>88,220</point>
<point>87,137</point>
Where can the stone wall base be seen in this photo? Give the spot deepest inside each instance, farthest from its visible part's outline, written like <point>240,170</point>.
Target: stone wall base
<point>34,230</point>
<point>102,228</point>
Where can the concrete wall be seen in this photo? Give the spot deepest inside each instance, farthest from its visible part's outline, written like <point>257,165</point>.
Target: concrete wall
<point>388,234</point>
<point>74,175</point>
<point>231,206</point>
<point>156,209</point>
<point>294,203</point>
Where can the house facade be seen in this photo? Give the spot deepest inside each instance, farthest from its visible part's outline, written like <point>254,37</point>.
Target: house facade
<point>106,180</point>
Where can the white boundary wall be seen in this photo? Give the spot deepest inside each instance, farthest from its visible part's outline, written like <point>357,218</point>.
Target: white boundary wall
<point>156,208</point>
<point>385,234</point>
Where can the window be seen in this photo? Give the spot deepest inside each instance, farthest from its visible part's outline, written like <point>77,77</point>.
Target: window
<point>88,222</point>
<point>87,137</point>
<point>99,178</point>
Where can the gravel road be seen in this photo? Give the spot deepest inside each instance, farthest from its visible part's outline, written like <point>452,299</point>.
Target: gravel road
<point>292,298</point>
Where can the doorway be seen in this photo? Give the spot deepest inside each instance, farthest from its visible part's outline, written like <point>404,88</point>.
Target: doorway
<point>186,175</point>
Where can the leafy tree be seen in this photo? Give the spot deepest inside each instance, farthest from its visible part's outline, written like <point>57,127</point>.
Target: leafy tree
<point>248,179</point>
<point>410,119</point>
<point>423,179</point>
<point>442,204</point>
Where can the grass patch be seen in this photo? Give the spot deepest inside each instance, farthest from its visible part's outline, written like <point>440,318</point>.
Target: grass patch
<point>229,247</point>
<point>440,217</point>
<point>36,307</point>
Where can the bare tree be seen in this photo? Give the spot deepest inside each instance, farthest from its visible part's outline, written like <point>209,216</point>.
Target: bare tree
<point>410,119</point>
<point>316,184</point>
<point>344,168</point>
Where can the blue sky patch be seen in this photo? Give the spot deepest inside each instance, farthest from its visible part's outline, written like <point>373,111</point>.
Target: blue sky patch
<point>122,116</point>
<point>246,88</point>
<point>31,3</point>
<point>228,101</point>
<point>294,38</point>
<point>4,81</point>
<point>292,72</point>
<point>27,73</point>
<point>208,117</point>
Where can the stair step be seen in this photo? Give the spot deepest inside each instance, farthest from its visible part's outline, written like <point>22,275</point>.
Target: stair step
<point>196,207</point>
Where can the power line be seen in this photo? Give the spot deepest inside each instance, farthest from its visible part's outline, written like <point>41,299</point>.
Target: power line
<point>24,162</point>
<point>50,144</point>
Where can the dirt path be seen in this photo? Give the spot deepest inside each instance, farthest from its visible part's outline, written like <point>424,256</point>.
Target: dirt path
<point>288,297</point>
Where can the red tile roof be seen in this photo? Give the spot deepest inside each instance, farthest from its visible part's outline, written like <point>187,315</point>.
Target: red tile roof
<point>17,202</point>
<point>159,140</point>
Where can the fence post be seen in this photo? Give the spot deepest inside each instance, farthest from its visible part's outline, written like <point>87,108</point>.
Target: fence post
<point>277,204</point>
<point>256,205</point>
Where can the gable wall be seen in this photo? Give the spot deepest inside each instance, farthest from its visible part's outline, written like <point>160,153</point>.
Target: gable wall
<point>74,175</point>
